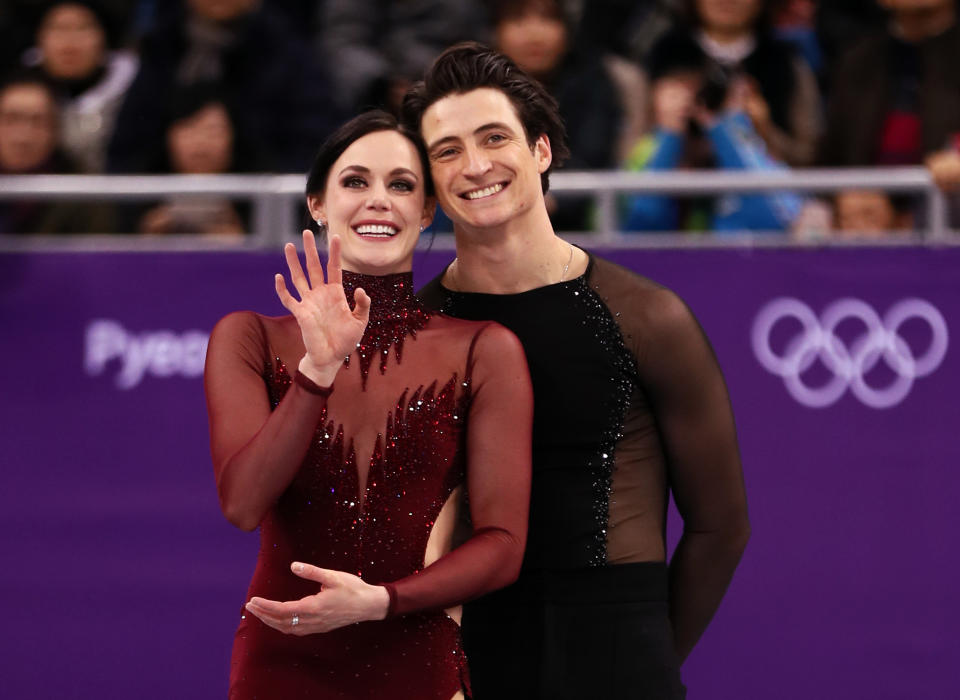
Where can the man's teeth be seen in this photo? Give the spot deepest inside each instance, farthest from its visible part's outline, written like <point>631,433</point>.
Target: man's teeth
<point>376,230</point>
<point>485,192</point>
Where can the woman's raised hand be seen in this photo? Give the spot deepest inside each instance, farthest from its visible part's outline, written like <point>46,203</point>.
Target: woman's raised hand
<point>330,329</point>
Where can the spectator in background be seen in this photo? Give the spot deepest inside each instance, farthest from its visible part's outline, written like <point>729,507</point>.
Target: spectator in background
<point>628,28</point>
<point>737,38</point>
<point>840,24</point>
<point>540,39</point>
<point>705,114</point>
<point>896,94</point>
<point>375,49</point>
<point>279,98</point>
<point>72,53</point>
<point>200,139</point>
<point>945,166</point>
<point>794,22</point>
<point>19,18</point>
<point>869,214</point>
<point>29,145</point>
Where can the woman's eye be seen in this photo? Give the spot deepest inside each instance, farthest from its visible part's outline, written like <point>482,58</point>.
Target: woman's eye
<point>402,185</point>
<point>354,181</point>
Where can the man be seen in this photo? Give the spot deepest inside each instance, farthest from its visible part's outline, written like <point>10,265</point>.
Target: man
<point>896,95</point>
<point>629,406</point>
<point>30,145</point>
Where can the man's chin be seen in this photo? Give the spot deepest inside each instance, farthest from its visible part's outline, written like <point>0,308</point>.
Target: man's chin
<point>479,219</point>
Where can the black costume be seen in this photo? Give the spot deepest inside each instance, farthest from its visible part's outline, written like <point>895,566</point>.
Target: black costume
<point>629,403</point>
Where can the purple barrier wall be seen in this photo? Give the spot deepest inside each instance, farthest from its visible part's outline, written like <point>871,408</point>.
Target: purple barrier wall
<point>121,578</point>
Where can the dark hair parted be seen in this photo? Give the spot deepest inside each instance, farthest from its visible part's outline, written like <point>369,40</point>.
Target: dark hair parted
<point>469,66</point>
<point>339,141</point>
<point>366,123</point>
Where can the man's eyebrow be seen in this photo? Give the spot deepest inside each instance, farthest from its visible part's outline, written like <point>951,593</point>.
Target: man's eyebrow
<point>492,125</point>
<point>478,130</point>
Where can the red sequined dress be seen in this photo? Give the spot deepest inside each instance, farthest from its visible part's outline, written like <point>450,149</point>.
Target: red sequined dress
<point>426,404</point>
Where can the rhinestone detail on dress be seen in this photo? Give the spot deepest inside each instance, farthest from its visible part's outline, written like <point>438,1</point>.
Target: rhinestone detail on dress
<point>395,313</point>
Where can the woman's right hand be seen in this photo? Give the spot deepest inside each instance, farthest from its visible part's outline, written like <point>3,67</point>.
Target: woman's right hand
<point>329,328</point>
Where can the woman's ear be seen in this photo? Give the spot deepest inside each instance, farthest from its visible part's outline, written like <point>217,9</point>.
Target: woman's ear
<point>317,210</point>
<point>429,210</point>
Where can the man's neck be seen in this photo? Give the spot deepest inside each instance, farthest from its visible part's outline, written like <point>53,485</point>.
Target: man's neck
<point>918,25</point>
<point>514,258</point>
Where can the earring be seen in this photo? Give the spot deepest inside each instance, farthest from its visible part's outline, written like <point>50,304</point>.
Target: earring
<point>421,228</point>
<point>321,224</point>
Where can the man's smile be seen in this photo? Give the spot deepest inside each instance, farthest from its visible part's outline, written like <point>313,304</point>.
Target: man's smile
<point>484,192</point>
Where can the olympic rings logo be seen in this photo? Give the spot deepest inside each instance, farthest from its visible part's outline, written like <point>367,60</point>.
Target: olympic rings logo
<point>848,365</point>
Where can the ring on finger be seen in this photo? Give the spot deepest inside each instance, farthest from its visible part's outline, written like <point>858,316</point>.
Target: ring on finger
<point>296,620</point>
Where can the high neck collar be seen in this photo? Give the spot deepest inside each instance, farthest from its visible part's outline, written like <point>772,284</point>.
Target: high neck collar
<point>390,295</point>
<point>395,313</point>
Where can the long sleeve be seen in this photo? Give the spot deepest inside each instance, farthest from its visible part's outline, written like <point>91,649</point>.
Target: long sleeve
<point>256,452</point>
<point>689,399</point>
<point>661,150</point>
<point>737,146</point>
<point>798,146</point>
<point>498,454</point>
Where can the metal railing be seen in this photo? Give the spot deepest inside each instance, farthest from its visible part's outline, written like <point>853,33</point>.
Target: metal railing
<point>275,202</point>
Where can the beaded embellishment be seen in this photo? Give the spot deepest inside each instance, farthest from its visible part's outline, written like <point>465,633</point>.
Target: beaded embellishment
<point>395,313</point>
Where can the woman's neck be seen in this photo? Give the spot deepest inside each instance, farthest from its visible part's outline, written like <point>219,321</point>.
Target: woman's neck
<point>727,35</point>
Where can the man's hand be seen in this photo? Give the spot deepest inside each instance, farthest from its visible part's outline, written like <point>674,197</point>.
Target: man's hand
<point>343,600</point>
<point>944,168</point>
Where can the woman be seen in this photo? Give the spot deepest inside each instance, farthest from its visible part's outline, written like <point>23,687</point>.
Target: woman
<point>74,54</point>
<point>200,139</point>
<point>354,464</point>
<point>725,94</point>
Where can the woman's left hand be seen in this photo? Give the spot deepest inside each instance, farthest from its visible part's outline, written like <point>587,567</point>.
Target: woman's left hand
<point>343,600</point>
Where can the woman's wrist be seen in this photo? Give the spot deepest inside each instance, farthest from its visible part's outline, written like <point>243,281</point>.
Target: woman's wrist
<point>323,375</point>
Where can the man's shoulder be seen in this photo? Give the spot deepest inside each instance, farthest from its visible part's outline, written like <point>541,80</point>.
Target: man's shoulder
<point>636,300</point>
<point>619,279</point>
<point>432,294</point>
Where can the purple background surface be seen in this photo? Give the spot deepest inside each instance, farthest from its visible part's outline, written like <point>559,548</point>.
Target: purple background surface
<point>122,579</point>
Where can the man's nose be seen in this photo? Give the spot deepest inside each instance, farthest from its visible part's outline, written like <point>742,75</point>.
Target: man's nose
<point>478,163</point>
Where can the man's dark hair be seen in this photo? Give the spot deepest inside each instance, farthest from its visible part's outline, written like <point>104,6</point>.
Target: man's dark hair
<point>469,66</point>
<point>339,141</point>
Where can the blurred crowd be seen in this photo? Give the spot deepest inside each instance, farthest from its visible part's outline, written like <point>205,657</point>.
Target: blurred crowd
<point>235,86</point>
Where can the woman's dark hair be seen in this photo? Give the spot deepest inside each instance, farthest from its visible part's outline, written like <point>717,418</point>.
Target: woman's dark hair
<point>771,63</point>
<point>185,101</point>
<point>108,22</point>
<point>469,66</point>
<point>340,140</point>
<point>768,9</point>
<point>503,10</point>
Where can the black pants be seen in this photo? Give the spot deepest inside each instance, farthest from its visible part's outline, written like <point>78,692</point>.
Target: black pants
<point>587,634</point>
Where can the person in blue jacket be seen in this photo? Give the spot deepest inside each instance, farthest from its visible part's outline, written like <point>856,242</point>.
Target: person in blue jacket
<point>700,120</point>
